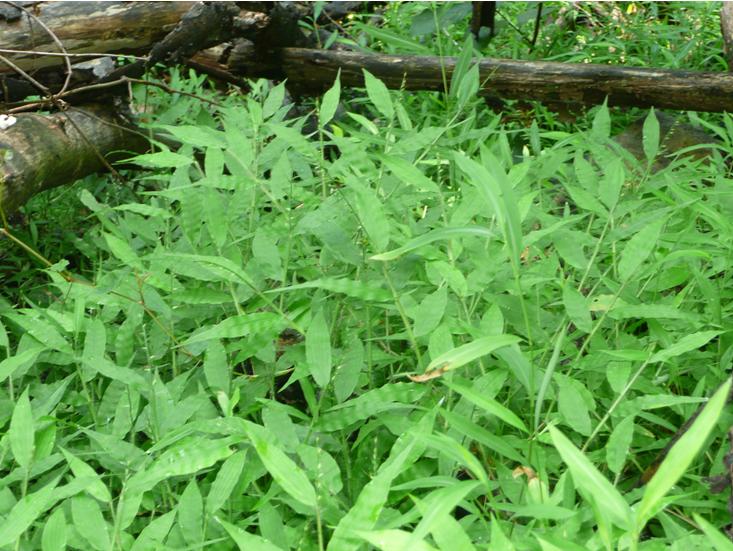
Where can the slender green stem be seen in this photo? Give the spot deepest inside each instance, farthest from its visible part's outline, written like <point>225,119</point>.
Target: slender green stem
<point>405,318</point>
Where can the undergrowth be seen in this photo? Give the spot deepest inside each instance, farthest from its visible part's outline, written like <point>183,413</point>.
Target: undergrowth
<point>417,327</point>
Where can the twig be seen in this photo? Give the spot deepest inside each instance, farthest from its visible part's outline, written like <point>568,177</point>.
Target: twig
<point>171,90</point>
<point>513,26</point>
<point>61,54</point>
<point>536,32</point>
<point>111,84</point>
<point>127,129</point>
<point>54,38</point>
<point>94,148</point>
<point>25,75</point>
<point>652,469</point>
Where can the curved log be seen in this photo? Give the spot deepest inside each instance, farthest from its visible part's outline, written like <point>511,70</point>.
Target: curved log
<point>40,152</point>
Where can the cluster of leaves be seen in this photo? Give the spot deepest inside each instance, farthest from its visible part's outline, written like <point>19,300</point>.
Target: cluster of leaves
<point>415,328</point>
<point>683,36</point>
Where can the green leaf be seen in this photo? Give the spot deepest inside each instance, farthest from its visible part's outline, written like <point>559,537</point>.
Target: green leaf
<point>488,405</point>
<point>318,349</point>
<point>330,102</point>
<point>154,533</point>
<point>122,250</point>
<point>391,540</point>
<point>719,541</point>
<point>96,487</point>
<point>378,94</point>
<point>190,514</point>
<point>594,485</point>
<point>467,353</point>
<point>267,255</point>
<point>435,235</point>
<point>200,136</point>
<point>602,123</point>
<point>617,447</point>
<point>429,312</point>
<point>274,101</point>
<point>200,453</point>
<point>10,364</point>
<point>117,373</point>
<point>585,199</point>
<point>441,502</point>
<point>25,512</point>
<point>215,215</point>
<point>681,456</point>
<point>402,44</point>
<point>650,136</point>
<point>21,432</point>
<point>41,330</point>
<point>480,435</point>
<point>497,193</point>
<point>95,342</point>
<point>370,208</point>
<point>685,344</point>
<point>387,397</point>
<point>469,86</point>
<point>408,173</point>
<point>145,210</point>
<point>216,367</point>
<point>538,511</point>
<point>346,378</point>
<point>161,159</point>
<point>499,541</point>
<point>445,529</point>
<point>246,541</point>
<point>90,523</point>
<point>612,182</point>
<point>463,63</point>
<point>225,481</point>
<point>554,543</point>
<point>451,449</point>
<point>241,326</point>
<point>573,408</point>
<point>54,532</point>
<point>364,513</point>
<point>638,248</point>
<point>576,306</point>
<point>364,290</point>
<point>283,470</point>
<point>366,123</point>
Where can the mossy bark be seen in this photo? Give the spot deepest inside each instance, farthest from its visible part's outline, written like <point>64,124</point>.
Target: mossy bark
<point>41,152</point>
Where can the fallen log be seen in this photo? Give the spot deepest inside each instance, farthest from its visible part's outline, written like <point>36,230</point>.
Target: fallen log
<point>118,27</point>
<point>83,27</point>
<point>41,152</point>
<point>550,82</point>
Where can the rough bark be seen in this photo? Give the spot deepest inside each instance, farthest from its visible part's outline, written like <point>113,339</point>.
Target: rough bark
<point>726,28</point>
<point>41,152</point>
<point>555,83</point>
<point>483,14</point>
<point>83,27</point>
<point>118,27</point>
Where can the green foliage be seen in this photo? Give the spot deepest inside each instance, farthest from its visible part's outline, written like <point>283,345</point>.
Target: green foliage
<point>421,326</point>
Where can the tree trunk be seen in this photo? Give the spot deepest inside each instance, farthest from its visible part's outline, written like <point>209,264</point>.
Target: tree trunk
<point>726,28</point>
<point>84,27</point>
<point>41,152</point>
<point>554,83</point>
